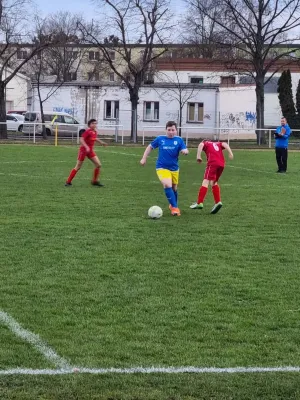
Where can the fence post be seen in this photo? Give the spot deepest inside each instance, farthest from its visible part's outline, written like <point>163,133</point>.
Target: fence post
<point>143,136</point>
<point>187,137</point>
<point>34,126</point>
<point>56,134</point>
<point>270,139</point>
<point>122,134</point>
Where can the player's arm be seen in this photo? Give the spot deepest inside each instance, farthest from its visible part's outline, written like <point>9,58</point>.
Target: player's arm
<point>101,142</point>
<point>83,143</point>
<point>227,147</point>
<point>184,150</point>
<point>199,152</point>
<point>146,154</point>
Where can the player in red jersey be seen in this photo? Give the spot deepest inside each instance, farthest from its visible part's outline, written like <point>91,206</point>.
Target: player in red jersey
<point>87,141</point>
<point>214,169</point>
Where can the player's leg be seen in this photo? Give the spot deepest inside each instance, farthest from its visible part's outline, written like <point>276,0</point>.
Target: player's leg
<point>203,189</point>
<point>95,160</point>
<point>175,181</point>
<point>77,167</point>
<point>165,177</point>
<point>217,191</point>
<point>279,158</point>
<point>284,160</point>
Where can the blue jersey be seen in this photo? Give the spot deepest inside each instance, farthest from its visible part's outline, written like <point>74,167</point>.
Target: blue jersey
<point>283,141</point>
<point>168,151</point>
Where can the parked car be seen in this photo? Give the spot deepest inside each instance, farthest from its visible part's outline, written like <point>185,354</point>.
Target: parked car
<point>66,124</point>
<point>15,122</point>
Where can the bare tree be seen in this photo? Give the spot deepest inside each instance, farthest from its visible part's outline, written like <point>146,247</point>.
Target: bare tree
<point>263,32</point>
<point>175,89</point>
<point>129,42</point>
<point>60,61</point>
<point>18,45</point>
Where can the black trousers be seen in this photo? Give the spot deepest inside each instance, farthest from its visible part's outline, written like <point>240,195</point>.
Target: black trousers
<point>281,158</point>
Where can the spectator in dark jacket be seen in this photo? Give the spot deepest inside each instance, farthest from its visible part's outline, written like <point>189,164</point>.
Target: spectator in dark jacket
<point>281,145</point>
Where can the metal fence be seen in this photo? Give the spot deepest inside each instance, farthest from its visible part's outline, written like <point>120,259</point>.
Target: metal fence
<point>33,131</point>
<point>71,133</point>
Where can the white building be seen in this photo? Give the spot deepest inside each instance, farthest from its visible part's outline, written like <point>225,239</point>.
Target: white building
<point>213,101</point>
<point>17,92</point>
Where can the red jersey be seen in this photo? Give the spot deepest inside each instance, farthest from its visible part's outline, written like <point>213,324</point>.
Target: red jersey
<point>214,153</point>
<point>89,137</point>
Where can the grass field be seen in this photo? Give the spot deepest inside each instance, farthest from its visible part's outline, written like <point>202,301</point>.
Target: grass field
<point>104,286</point>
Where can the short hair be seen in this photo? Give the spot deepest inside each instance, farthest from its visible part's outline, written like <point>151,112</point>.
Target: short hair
<point>169,124</point>
<point>91,121</point>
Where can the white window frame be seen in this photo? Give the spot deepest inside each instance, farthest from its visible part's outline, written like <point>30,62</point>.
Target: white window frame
<point>113,109</point>
<point>152,116</point>
<point>195,121</point>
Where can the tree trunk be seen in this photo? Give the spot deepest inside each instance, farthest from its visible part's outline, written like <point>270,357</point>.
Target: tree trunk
<point>260,110</point>
<point>3,127</point>
<point>134,99</point>
<point>42,114</point>
<point>180,121</point>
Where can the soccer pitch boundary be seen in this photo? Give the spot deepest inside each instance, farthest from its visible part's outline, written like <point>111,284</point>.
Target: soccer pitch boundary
<point>64,368</point>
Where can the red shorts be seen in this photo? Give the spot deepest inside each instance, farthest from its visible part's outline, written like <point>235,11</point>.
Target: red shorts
<point>82,154</point>
<point>213,172</point>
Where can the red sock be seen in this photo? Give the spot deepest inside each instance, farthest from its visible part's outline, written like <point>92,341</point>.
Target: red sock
<point>96,174</point>
<point>217,193</point>
<point>72,175</point>
<point>202,193</point>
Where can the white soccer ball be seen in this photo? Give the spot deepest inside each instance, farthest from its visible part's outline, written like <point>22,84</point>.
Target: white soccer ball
<point>155,212</point>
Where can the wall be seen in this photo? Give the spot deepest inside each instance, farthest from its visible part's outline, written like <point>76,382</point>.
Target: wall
<point>17,93</point>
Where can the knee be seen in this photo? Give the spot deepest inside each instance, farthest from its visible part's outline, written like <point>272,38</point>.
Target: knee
<point>167,186</point>
<point>77,168</point>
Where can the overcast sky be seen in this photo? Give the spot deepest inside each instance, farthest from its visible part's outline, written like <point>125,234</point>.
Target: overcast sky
<point>85,7</point>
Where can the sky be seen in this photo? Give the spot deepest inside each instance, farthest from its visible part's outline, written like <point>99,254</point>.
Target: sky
<point>85,7</point>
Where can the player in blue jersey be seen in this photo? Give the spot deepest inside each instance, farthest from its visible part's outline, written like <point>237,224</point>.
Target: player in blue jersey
<point>167,168</point>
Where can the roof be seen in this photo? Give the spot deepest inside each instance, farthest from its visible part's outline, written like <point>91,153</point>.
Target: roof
<point>98,85</point>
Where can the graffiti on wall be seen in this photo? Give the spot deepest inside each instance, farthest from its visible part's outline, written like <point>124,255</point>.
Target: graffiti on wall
<point>70,111</point>
<point>239,120</point>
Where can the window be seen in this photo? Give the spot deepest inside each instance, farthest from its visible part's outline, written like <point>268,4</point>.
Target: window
<point>196,79</point>
<point>71,76</point>
<point>246,80</point>
<point>149,79</point>
<point>94,56</point>
<point>112,55</point>
<point>50,118</point>
<point>195,112</point>
<point>93,76</point>
<point>111,109</point>
<point>21,54</point>
<point>227,80</point>
<point>111,77</point>
<point>69,120</point>
<point>72,54</point>
<point>10,118</point>
<point>151,111</point>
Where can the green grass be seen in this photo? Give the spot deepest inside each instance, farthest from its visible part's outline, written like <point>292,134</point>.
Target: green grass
<point>85,269</point>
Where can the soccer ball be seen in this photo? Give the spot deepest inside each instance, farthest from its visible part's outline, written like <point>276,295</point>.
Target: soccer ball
<point>155,212</point>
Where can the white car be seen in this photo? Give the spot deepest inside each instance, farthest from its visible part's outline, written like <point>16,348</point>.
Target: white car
<point>15,122</point>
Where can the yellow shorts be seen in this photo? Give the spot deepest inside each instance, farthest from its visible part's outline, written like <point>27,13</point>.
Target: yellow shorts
<point>167,174</point>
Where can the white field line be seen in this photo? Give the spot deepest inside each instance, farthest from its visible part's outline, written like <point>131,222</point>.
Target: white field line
<point>34,340</point>
<point>150,370</point>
